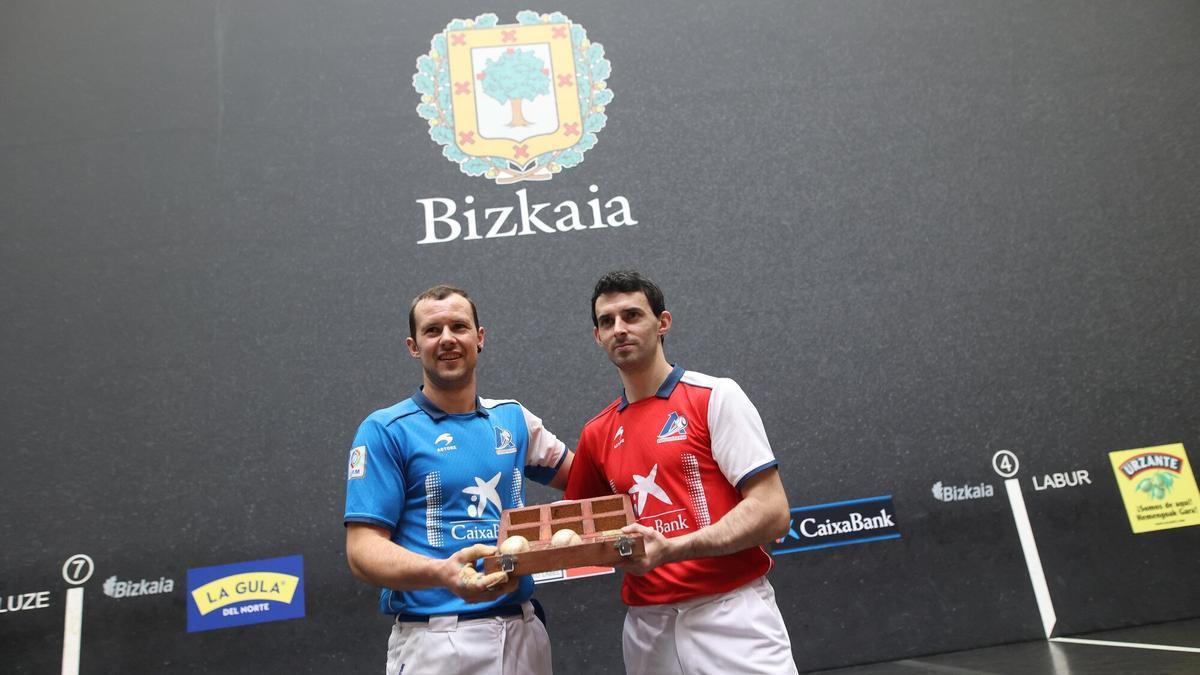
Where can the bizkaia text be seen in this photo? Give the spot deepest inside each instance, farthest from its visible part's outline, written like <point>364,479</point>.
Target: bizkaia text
<point>116,588</point>
<point>445,222</point>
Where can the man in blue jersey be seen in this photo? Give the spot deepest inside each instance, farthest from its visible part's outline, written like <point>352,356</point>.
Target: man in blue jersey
<point>427,480</point>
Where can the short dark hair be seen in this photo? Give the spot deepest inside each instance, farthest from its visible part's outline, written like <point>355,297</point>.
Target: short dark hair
<point>628,281</point>
<point>439,292</point>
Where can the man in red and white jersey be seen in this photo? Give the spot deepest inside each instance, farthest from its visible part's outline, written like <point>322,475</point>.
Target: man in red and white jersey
<point>691,452</point>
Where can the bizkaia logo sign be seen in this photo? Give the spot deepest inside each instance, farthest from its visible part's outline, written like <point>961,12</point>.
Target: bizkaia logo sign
<point>513,103</point>
<point>857,521</point>
<point>959,493</point>
<point>119,588</point>
<point>245,593</point>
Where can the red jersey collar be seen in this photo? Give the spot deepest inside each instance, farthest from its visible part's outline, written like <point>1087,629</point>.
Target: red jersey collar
<point>664,390</point>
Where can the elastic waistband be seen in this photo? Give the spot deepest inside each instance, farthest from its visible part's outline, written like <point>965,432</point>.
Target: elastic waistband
<point>498,610</point>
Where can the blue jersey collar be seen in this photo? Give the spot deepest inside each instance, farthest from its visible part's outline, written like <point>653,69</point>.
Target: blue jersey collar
<point>437,414</point>
<point>664,390</point>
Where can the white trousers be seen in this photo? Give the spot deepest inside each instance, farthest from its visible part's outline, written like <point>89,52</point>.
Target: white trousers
<point>502,645</point>
<point>739,632</point>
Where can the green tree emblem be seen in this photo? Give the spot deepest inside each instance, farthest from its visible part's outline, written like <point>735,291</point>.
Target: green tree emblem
<point>432,81</point>
<point>514,77</point>
<point>1158,485</point>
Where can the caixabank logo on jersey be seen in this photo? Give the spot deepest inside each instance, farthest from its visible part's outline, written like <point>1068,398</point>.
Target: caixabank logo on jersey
<point>1158,487</point>
<point>513,103</point>
<point>855,521</point>
<point>245,593</point>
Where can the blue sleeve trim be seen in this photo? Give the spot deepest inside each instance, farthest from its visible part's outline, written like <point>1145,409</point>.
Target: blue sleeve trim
<point>368,519</point>
<point>754,472</point>
<point>541,474</point>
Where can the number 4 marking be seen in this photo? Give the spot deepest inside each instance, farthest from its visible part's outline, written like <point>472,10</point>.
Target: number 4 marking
<point>1005,463</point>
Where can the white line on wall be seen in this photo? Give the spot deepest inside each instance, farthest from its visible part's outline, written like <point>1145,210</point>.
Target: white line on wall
<point>1032,560</point>
<point>72,631</point>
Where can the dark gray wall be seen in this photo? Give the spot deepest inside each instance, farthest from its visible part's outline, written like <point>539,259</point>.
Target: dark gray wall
<point>915,232</point>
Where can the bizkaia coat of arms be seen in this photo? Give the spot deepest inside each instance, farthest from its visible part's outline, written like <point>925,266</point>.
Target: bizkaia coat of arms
<point>513,102</point>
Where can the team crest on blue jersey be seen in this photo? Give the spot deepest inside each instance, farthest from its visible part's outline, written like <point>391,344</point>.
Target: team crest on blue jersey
<point>674,430</point>
<point>504,441</point>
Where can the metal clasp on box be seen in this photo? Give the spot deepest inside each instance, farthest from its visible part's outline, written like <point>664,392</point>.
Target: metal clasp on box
<point>624,546</point>
<point>508,562</point>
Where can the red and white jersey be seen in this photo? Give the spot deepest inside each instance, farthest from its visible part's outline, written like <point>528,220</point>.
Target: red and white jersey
<point>681,455</point>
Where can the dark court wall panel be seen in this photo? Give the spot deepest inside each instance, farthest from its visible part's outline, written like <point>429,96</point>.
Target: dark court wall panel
<point>917,233</point>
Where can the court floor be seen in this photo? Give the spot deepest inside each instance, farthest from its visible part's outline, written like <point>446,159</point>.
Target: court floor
<point>1158,649</point>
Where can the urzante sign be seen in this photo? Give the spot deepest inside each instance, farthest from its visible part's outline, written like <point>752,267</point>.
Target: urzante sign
<point>1157,486</point>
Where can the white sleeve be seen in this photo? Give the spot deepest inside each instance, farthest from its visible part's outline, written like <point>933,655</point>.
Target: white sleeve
<point>545,450</point>
<point>739,441</point>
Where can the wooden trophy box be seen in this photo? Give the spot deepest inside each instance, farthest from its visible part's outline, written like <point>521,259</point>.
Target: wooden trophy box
<point>597,521</point>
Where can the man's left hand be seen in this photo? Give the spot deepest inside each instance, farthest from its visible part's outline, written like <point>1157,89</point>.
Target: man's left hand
<point>658,550</point>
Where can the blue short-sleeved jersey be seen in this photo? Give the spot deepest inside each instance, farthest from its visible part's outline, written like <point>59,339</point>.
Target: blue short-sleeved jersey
<point>438,482</point>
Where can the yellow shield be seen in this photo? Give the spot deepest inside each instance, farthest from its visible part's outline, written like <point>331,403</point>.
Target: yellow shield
<point>514,91</point>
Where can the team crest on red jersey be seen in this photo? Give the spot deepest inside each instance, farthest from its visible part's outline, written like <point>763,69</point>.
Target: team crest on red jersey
<point>675,428</point>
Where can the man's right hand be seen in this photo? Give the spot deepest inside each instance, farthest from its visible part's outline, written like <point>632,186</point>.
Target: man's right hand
<point>464,581</point>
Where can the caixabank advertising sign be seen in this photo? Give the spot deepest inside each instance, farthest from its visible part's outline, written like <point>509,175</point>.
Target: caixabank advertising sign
<point>244,593</point>
<point>855,521</point>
